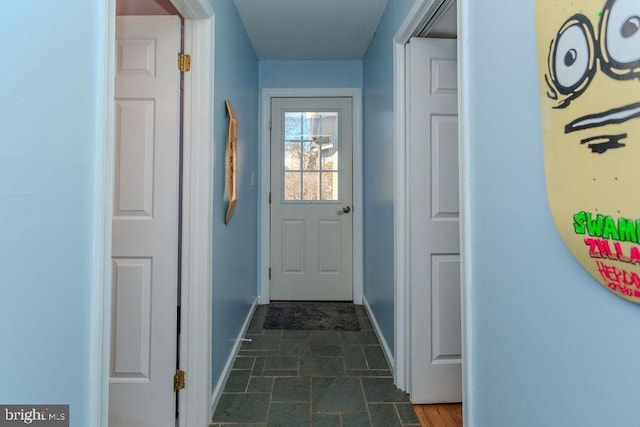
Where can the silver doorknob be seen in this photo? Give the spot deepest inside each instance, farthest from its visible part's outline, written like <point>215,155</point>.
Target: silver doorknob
<point>345,210</point>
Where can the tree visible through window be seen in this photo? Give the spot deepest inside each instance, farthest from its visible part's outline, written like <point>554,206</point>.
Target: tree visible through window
<point>311,164</point>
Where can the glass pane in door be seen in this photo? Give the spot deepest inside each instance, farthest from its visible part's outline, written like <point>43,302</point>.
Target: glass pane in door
<point>311,156</point>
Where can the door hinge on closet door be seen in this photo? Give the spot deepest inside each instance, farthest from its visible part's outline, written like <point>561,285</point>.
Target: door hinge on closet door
<point>178,381</point>
<point>184,62</point>
<point>269,273</point>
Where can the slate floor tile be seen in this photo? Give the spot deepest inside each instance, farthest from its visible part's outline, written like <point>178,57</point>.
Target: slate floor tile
<point>289,414</point>
<point>325,337</point>
<point>355,421</point>
<point>250,352</point>
<point>325,420</point>
<point>255,327</point>
<point>375,357</point>
<point>291,389</point>
<point>261,311</point>
<point>242,408</point>
<point>258,367</point>
<point>365,324</point>
<point>281,372</point>
<point>358,337</point>
<point>295,347</point>
<point>382,390</point>
<point>262,342</point>
<point>260,385</point>
<point>407,414</point>
<point>322,366</point>
<point>369,373</point>
<point>237,382</point>
<point>354,357</point>
<point>244,362</point>
<point>320,350</point>
<point>384,415</point>
<point>281,362</point>
<point>291,334</point>
<point>331,395</point>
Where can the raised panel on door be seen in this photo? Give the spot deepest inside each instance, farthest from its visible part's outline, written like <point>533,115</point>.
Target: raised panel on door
<point>293,245</point>
<point>136,57</point>
<point>329,251</point>
<point>135,124</point>
<point>131,332</point>
<point>444,178</point>
<point>446,339</point>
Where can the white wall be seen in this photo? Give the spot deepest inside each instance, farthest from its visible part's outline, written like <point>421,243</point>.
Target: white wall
<point>551,347</point>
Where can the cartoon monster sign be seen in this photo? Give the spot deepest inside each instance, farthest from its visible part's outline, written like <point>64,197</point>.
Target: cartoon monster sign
<point>589,68</point>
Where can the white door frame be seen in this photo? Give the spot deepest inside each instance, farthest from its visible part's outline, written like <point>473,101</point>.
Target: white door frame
<point>195,338</point>
<point>264,247</point>
<point>422,12</point>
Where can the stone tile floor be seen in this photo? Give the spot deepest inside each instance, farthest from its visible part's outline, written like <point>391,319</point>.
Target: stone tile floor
<point>305,378</point>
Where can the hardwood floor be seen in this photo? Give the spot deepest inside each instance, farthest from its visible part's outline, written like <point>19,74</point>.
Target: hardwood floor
<point>449,415</point>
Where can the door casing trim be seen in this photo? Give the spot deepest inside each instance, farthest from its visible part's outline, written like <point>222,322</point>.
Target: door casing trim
<point>195,339</point>
<point>264,248</point>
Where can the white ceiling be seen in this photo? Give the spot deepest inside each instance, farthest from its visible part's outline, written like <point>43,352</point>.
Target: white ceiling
<point>307,29</point>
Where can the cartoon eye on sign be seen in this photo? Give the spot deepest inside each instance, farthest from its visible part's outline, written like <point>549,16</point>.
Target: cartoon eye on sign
<point>589,69</point>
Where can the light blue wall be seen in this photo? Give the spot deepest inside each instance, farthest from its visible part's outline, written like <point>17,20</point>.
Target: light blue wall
<point>310,74</point>
<point>234,244</point>
<point>551,347</point>
<point>50,131</point>
<point>379,168</point>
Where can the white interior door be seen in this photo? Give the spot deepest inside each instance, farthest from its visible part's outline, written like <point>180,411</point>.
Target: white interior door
<point>436,345</point>
<point>311,193</point>
<point>145,222</point>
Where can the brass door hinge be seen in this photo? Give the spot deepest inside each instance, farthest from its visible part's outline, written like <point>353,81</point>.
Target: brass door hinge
<point>184,62</point>
<point>178,381</point>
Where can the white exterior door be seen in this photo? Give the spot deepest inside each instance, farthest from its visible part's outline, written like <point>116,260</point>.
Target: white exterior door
<point>145,222</point>
<point>436,345</point>
<point>311,193</point>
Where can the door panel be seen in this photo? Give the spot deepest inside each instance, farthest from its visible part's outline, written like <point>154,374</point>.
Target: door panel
<point>293,247</point>
<point>311,180</point>
<point>132,333</point>
<point>134,157</point>
<point>436,346</point>
<point>329,252</point>
<point>145,222</point>
<point>444,178</point>
<point>445,306</point>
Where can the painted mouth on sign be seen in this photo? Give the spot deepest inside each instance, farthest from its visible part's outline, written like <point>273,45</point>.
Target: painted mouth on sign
<point>613,116</point>
<point>601,143</point>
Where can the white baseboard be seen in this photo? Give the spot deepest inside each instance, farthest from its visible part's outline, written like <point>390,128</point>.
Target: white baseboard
<point>385,348</point>
<point>217,391</point>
